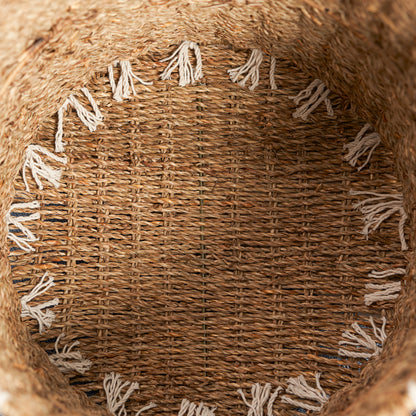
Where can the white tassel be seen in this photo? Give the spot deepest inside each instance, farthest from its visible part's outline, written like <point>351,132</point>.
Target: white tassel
<point>187,407</point>
<point>68,360</point>
<point>39,169</point>
<point>273,85</point>
<point>362,340</point>
<point>260,395</point>
<point>360,145</point>
<point>251,67</point>
<point>44,318</point>
<point>299,387</point>
<point>378,209</point>
<point>180,59</point>
<point>387,273</point>
<point>125,81</point>
<point>116,400</point>
<point>272,399</point>
<point>16,221</point>
<point>191,409</point>
<point>89,119</point>
<point>320,95</point>
<point>149,406</point>
<point>384,292</point>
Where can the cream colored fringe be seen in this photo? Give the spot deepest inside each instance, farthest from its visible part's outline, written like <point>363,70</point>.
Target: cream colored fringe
<point>68,360</point>
<point>89,119</point>
<point>320,95</point>
<point>386,291</point>
<point>378,208</point>
<point>39,169</point>
<point>260,395</point>
<point>251,68</point>
<point>116,400</point>
<point>44,318</point>
<point>362,340</point>
<point>191,409</point>
<point>360,145</point>
<point>16,222</point>
<point>125,82</point>
<point>299,387</point>
<point>383,292</point>
<point>180,59</point>
<point>387,273</point>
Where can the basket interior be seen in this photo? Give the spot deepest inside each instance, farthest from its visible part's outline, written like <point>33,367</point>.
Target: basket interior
<point>203,240</point>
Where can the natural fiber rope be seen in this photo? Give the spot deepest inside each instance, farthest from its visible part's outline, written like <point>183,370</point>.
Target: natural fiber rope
<point>210,174</point>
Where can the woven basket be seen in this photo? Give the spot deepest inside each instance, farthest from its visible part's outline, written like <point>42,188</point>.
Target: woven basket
<point>185,186</point>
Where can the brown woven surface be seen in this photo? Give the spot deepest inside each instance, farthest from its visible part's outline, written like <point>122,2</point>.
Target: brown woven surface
<point>204,240</point>
<point>363,50</point>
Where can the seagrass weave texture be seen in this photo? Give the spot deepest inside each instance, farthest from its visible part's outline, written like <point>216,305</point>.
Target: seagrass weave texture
<point>204,240</point>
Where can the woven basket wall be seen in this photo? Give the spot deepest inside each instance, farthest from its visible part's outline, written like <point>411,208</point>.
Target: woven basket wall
<point>202,239</point>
